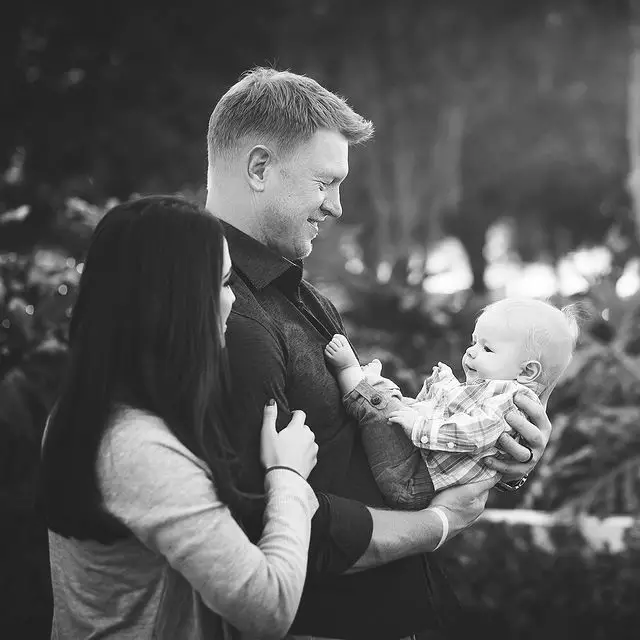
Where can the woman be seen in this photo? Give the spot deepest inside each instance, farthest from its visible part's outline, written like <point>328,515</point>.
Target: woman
<point>137,479</point>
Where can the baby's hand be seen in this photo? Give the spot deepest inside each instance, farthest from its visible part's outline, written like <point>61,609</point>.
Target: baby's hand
<point>339,353</point>
<point>407,418</point>
<point>442,369</point>
<point>373,369</point>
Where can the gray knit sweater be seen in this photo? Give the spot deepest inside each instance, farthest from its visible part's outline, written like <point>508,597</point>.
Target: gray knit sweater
<point>189,572</point>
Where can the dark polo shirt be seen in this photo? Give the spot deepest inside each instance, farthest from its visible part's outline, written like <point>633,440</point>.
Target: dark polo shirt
<point>276,336</point>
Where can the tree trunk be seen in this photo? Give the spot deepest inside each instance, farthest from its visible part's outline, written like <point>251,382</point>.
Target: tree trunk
<point>633,115</point>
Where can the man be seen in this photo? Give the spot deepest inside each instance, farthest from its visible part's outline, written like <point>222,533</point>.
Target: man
<point>278,152</point>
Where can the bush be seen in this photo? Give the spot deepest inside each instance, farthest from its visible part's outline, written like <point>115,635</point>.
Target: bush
<point>37,291</point>
<point>512,588</point>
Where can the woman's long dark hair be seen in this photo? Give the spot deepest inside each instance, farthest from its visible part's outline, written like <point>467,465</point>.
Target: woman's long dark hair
<point>145,333</point>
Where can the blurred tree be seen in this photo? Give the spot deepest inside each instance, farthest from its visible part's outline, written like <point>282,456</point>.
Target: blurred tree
<point>633,114</point>
<point>483,111</point>
<point>107,100</point>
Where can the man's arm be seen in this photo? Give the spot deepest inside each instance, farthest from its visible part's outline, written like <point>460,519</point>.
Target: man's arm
<point>397,534</point>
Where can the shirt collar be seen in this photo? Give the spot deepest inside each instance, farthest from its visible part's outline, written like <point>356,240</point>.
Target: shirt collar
<point>257,262</point>
<point>537,387</point>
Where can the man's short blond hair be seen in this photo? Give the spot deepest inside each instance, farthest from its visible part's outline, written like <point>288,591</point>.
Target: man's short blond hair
<point>282,108</point>
<point>549,333</point>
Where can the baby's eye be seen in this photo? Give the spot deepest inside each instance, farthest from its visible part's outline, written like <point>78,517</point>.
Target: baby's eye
<point>488,349</point>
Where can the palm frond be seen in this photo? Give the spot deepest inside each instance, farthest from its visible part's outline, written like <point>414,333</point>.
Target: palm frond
<point>616,490</point>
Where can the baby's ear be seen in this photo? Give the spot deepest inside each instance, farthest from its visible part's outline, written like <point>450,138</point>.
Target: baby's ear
<point>529,372</point>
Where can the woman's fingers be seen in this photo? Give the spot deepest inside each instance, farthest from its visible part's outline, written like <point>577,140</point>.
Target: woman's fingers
<point>270,415</point>
<point>268,435</point>
<point>297,418</point>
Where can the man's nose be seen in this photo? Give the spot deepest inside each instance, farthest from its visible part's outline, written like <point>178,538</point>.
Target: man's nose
<point>332,205</point>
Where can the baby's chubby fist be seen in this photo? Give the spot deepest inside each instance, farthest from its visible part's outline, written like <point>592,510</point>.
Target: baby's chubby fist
<point>372,369</point>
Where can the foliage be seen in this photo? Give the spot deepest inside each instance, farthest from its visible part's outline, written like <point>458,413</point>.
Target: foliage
<point>483,111</point>
<point>508,582</point>
<point>113,100</point>
<point>37,290</point>
<point>593,461</point>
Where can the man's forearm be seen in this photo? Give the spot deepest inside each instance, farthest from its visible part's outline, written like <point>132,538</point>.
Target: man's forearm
<point>397,534</point>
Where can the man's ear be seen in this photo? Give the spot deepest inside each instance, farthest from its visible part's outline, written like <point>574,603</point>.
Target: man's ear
<point>259,162</point>
<point>529,372</point>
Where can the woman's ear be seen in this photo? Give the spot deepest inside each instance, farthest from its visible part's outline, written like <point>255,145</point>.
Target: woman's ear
<point>530,371</point>
<point>259,161</point>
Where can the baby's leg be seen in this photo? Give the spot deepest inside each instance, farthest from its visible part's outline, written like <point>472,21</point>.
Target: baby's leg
<point>346,366</point>
<point>397,466</point>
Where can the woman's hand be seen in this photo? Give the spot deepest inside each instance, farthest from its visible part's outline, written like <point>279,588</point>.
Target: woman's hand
<point>535,432</point>
<point>463,504</point>
<point>295,446</point>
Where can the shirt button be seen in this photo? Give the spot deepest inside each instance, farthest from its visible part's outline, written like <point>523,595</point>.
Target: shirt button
<point>376,400</point>
<point>424,439</point>
<point>450,445</point>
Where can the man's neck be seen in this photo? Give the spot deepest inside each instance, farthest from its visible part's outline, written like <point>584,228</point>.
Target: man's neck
<point>223,209</point>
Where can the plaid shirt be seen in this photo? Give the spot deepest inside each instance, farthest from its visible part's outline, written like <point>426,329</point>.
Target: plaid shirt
<point>461,418</point>
<point>455,424</point>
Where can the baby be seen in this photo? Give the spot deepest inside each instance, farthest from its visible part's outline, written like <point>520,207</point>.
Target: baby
<point>519,344</point>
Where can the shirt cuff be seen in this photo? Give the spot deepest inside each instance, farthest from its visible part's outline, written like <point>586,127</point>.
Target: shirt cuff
<point>377,395</point>
<point>341,531</point>
<point>281,483</point>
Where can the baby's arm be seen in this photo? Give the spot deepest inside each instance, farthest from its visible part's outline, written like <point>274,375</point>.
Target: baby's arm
<point>345,364</point>
<point>471,423</point>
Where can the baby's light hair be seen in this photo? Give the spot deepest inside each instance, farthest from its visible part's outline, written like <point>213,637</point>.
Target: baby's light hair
<point>550,334</point>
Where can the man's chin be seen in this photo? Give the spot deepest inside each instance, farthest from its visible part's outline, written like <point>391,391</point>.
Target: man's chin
<point>304,251</point>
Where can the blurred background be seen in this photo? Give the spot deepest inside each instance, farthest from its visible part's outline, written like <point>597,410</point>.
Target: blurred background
<point>505,161</point>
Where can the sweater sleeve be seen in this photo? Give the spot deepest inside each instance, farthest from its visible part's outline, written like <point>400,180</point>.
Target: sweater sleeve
<point>165,496</point>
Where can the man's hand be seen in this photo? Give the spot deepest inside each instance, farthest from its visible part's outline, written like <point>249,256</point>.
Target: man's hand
<point>463,504</point>
<point>535,432</point>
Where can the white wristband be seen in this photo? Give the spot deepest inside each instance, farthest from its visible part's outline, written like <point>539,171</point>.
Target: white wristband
<point>445,525</point>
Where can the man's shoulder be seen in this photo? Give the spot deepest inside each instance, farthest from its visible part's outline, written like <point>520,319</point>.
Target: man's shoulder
<point>246,304</point>
<point>248,321</point>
